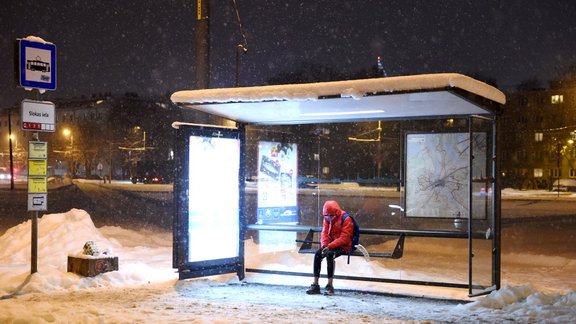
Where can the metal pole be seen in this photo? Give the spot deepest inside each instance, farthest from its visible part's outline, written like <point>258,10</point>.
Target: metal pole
<point>469,216</point>
<point>110,166</point>
<point>237,67</point>
<point>202,35</point>
<point>244,50</point>
<point>34,231</point>
<point>559,166</point>
<point>320,220</point>
<point>34,248</point>
<point>34,225</point>
<point>11,151</point>
<point>496,204</point>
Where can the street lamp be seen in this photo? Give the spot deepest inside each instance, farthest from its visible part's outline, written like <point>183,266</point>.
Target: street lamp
<point>560,150</point>
<point>136,146</point>
<point>10,139</point>
<point>67,132</point>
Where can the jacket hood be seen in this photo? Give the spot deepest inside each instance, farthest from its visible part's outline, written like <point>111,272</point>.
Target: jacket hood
<point>331,207</point>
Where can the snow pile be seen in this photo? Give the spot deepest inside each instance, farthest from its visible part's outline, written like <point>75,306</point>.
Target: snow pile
<point>509,192</point>
<point>525,304</point>
<point>146,289</point>
<point>60,235</point>
<point>37,39</point>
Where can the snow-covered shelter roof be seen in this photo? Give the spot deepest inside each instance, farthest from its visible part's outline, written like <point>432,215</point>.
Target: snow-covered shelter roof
<point>446,94</point>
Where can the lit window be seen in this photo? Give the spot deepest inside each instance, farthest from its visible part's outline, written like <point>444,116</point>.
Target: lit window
<point>538,137</point>
<point>538,173</point>
<point>557,99</point>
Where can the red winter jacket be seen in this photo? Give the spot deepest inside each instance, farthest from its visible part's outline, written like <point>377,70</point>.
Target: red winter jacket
<point>335,233</point>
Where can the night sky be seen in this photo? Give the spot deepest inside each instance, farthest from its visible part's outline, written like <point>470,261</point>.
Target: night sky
<point>147,46</point>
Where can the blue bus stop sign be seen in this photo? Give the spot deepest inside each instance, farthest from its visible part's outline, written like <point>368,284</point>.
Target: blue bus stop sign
<point>37,68</point>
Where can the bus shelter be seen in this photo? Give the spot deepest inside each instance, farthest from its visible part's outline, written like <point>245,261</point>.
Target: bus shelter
<point>412,158</point>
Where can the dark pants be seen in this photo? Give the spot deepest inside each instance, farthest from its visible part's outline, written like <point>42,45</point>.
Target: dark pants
<point>330,256</point>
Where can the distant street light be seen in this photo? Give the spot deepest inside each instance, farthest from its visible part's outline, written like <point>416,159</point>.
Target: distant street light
<point>136,149</point>
<point>558,165</point>
<point>362,137</point>
<point>561,150</point>
<point>67,132</point>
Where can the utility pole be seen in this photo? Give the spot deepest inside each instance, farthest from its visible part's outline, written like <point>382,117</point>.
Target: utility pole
<point>558,165</point>
<point>10,135</point>
<point>202,35</point>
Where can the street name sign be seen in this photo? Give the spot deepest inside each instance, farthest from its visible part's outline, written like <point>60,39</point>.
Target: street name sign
<point>39,116</point>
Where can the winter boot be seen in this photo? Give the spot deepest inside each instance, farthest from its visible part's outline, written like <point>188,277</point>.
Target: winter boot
<point>313,290</point>
<point>329,290</point>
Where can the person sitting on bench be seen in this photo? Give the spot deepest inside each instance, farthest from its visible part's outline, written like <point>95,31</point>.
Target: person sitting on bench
<point>335,240</point>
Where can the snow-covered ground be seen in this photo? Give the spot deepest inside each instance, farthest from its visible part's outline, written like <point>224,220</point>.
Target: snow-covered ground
<point>536,288</point>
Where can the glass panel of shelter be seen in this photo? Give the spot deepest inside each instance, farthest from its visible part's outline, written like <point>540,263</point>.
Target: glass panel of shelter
<point>482,226</point>
<point>362,166</point>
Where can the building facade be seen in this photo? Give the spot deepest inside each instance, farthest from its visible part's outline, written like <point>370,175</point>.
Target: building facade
<point>102,136</point>
<point>538,130</point>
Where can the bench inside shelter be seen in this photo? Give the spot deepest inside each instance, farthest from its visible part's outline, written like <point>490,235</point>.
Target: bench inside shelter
<point>309,243</point>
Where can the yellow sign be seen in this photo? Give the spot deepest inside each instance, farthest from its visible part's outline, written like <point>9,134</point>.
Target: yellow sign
<point>37,167</point>
<point>37,185</point>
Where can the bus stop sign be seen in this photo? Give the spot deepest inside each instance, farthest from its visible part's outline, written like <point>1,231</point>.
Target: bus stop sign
<point>37,64</point>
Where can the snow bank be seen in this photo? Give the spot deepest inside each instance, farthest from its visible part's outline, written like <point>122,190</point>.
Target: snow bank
<point>60,235</point>
<point>525,304</point>
<point>146,287</point>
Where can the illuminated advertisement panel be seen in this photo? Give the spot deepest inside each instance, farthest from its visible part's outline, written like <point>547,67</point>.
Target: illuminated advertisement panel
<point>213,206</point>
<point>277,183</point>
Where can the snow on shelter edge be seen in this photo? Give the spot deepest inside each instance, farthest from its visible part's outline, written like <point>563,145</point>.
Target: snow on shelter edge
<point>379,98</point>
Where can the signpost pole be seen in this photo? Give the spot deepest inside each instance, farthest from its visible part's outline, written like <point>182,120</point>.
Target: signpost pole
<point>34,250</point>
<point>34,230</point>
<point>36,71</point>
<point>37,192</point>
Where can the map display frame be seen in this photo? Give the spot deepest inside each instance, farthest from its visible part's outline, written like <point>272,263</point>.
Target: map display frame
<point>438,174</point>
